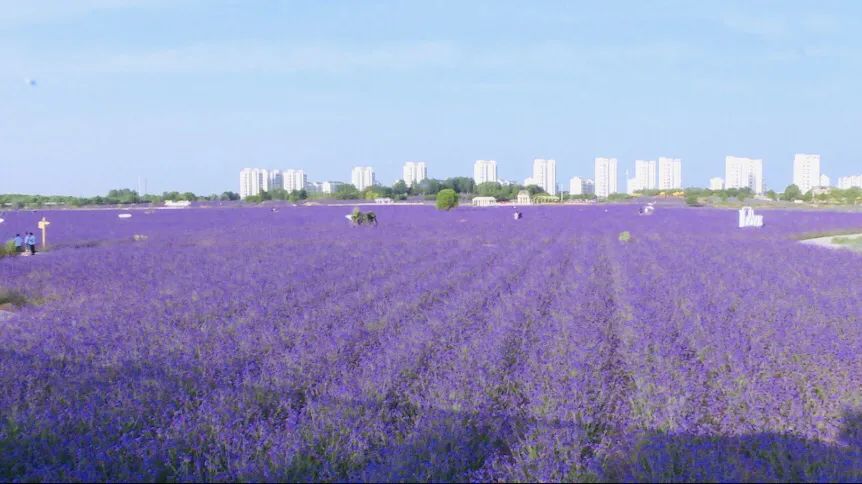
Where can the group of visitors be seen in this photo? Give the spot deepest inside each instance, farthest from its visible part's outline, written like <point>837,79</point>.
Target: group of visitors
<point>25,243</point>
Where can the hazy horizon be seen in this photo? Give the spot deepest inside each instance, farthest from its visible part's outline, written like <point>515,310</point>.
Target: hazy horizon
<point>187,93</point>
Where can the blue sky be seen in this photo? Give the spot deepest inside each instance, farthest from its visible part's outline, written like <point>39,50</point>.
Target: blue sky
<point>186,93</point>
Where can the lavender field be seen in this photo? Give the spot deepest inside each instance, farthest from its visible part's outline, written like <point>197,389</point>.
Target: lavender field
<point>246,344</point>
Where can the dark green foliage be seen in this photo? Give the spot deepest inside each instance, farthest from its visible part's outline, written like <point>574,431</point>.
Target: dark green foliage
<point>447,199</point>
<point>791,193</point>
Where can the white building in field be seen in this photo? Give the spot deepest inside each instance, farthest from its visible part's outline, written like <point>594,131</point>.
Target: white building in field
<point>294,180</point>
<point>606,177</point>
<point>362,177</point>
<point>741,172</point>
<point>846,182</point>
<point>716,184</point>
<point>330,186</point>
<point>669,173</point>
<point>545,175</point>
<point>581,186</point>
<point>524,198</point>
<point>484,171</point>
<point>414,172</point>
<point>252,181</point>
<point>484,201</point>
<point>806,171</point>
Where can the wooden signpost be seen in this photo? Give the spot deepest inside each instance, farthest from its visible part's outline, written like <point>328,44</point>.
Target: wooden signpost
<point>43,225</point>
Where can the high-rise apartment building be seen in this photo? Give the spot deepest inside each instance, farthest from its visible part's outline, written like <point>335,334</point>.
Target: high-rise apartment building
<point>806,171</point>
<point>669,173</point>
<point>362,177</point>
<point>606,177</point>
<point>645,175</point>
<point>825,181</point>
<point>414,172</point>
<point>581,186</point>
<point>294,180</point>
<point>741,172</point>
<point>484,171</point>
<point>716,184</point>
<point>545,175</point>
<point>252,181</point>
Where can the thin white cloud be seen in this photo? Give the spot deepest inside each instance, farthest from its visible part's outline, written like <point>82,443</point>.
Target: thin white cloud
<point>766,27</point>
<point>18,13</point>
<point>774,27</point>
<point>253,57</point>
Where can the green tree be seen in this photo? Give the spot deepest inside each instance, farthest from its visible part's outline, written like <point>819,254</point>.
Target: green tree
<point>447,199</point>
<point>400,188</point>
<point>791,193</point>
<point>428,186</point>
<point>534,189</point>
<point>297,195</point>
<point>347,192</point>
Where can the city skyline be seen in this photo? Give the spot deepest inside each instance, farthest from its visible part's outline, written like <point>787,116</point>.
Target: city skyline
<point>93,98</point>
<point>664,174</point>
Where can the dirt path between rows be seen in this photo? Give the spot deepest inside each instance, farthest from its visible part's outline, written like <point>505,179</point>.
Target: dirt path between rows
<point>828,243</point>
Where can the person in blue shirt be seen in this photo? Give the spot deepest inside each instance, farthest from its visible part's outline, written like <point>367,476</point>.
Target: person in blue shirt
<point>31,243</point>
<point>19,243</point>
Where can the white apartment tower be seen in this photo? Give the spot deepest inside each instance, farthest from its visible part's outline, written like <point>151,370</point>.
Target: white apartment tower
<point>414,172</point>
<point>669,173</point>
<point>806,171</point>
<point>294,180</point>
<point>252,181</point>
<point>645,175</point>
<point>606,177</point>
<point>581,186</point>
<point>716,184</point>
<point>362,177</point>
<point>740,172</point>
<point>484,171</point>
<point>545,175</point>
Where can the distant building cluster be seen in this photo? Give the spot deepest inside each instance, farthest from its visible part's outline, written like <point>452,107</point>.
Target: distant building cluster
<point>846,182</point>
<point>663,173</point>
<point>253,181</point>
<point>667,176</point>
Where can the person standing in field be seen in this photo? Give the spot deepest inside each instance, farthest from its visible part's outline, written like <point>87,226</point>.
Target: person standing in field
<point>19,244</point>
<point>31,243</point>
